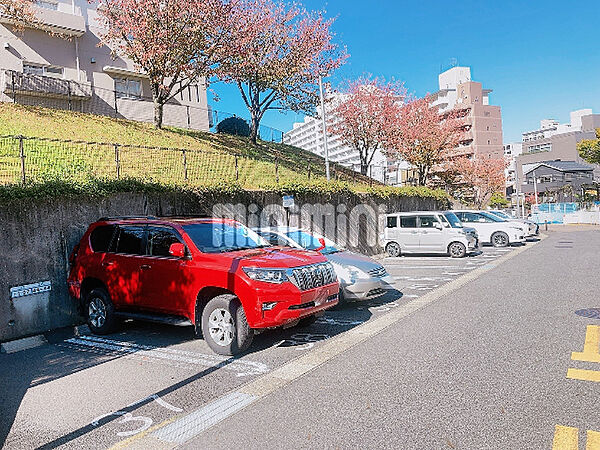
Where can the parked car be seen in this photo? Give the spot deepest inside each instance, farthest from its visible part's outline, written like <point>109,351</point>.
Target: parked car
<point>360,277</point>
<point>428,232</point>
<point>533,228</point>
<point>215,273</point>
<point>492,229</point>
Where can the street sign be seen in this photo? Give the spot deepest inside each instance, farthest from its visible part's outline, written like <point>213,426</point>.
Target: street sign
<point>288,201</point>
<point>30,289</point>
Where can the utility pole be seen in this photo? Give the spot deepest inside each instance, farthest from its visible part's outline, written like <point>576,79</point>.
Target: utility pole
<point>518,188</point>
<point>535,188</point>
<point>324,128</point>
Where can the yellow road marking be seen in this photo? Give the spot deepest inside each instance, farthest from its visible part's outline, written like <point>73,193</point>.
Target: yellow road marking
<point>590,351</point>
<point>127,442</point>
<point>565,438</point>
<point>593,440</point>
<point>584,375</point>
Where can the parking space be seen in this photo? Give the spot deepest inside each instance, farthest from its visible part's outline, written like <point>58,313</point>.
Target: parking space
<point>94,391</point>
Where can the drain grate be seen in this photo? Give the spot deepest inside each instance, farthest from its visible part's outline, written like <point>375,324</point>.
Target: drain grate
<point>590,313</point>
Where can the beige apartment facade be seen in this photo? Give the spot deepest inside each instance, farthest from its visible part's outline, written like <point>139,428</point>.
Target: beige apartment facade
<point>69,70</point>
<point>483,122</point>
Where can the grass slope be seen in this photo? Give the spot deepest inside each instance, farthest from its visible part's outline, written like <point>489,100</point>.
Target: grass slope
<point>151,160</point>
<point>211,158</point>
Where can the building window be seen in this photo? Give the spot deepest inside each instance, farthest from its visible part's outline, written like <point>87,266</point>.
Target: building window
<point>49,71</point>
<point>546,147</point>
<point>128,88</point>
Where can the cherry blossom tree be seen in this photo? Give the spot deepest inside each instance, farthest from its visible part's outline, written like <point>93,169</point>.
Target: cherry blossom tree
<point>482,175</point>
<point>368,110</point>
<point>19,12</point>
<point>425,138</point>
<point>174,42</point>
<point>276,55</point>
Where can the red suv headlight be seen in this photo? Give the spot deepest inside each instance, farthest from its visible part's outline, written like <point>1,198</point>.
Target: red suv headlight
<point>268,275</point>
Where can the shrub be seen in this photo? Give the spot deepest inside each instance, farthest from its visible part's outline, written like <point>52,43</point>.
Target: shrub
<point>234,126</point>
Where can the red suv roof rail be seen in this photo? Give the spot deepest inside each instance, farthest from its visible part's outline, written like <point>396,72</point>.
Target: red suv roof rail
<point>104,219</point>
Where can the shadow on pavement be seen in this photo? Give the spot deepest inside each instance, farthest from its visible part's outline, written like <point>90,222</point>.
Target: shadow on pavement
<point>23,370</point>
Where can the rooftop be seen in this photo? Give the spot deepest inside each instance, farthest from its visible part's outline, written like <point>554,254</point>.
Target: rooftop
<point>564,166</point>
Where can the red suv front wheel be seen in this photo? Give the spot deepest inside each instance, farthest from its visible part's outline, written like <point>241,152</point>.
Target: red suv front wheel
<point>224,325</point>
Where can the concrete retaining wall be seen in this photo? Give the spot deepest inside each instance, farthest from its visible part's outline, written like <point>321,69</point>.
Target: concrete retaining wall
<point>37,238</point>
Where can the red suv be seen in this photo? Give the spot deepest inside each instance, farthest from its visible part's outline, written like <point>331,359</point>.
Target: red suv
<point>215,273</point>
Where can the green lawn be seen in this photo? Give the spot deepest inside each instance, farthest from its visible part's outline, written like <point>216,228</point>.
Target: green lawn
<point>209,158</point>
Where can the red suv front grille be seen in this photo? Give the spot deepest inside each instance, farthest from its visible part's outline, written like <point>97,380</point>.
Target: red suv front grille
<point>313,276</point>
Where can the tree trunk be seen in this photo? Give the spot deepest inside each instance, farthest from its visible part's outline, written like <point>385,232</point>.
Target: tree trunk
<point>254,125</point>
<point>422,176</point>
<point>364,169</point>
<point>158,114</point>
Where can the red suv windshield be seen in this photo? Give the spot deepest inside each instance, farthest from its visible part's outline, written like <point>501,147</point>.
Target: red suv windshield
<point>219,237</point>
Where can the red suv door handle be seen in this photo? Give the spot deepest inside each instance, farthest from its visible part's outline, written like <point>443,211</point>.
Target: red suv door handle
<point>107,263</point>
<point>145,266</point>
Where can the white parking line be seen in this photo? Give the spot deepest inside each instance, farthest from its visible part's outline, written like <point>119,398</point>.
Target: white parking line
<point>241,367</point>
<point>339,322</point>
<point>424,278</point>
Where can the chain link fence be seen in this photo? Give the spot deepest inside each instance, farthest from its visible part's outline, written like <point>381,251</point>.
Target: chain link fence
<point>27,159</point>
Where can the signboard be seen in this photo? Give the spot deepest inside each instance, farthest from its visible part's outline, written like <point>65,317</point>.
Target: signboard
<point>288,201</point>
<point>30,289</point>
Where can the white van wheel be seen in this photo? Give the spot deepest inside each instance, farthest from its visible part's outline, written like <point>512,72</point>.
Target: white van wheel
<point>457,250</point>
<point>393,249</point>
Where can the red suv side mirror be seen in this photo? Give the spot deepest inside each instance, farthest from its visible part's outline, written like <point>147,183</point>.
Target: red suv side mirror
<point>177,250</point>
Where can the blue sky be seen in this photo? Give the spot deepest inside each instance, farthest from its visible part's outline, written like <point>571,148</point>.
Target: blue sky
<point>540,58</point>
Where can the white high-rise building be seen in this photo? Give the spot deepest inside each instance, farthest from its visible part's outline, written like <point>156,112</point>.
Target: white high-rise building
<point>308,135</point>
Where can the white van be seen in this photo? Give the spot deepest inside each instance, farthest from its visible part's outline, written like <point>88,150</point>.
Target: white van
<point>427,232</point>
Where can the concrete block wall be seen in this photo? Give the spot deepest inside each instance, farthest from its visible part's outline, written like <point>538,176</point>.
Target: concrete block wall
<point>38,236</point>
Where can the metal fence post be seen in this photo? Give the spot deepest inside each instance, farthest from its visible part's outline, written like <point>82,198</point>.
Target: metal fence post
<point>69,95</point>
<point>185,169</point>
<point>187,111</point>
<point>277,169</point>
<point>237,170</point>
<point>117,161</point>
<point>308,170</point>
<point>22,156</point>
<point>116,109</point>
<point>13,87</point>
<point>370,170</point>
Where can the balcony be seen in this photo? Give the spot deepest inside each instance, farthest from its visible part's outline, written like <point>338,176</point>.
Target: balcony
<point>43,86</point>
<point>56,21</point>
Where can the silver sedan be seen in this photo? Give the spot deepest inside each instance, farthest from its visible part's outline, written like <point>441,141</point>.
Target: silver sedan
<point>360,277</point>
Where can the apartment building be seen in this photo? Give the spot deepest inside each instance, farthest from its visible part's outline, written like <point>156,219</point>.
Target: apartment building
<point>308,135</point>
<point>554,142</point>
<point>511,152</point>
<point>70,71</point>
<point>483,122</point>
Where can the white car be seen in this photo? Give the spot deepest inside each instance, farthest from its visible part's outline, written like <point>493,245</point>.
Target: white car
<point>428,232</point>
<point>360,277</point>
<point>492,229</point>
<point>534,228</point>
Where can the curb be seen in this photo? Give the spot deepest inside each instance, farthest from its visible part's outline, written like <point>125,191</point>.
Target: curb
<point>49,337</point>
<point>23,344</point>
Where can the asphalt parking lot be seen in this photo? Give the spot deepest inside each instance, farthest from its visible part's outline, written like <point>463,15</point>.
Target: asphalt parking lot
<point>92,391</point>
